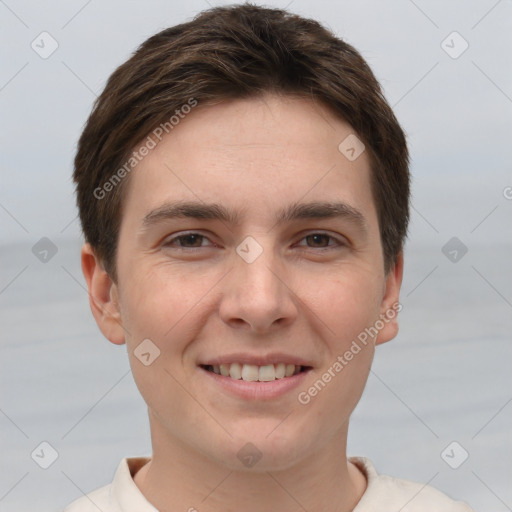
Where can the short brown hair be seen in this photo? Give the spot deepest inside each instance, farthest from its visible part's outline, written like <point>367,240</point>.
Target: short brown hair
<point>227,53</point>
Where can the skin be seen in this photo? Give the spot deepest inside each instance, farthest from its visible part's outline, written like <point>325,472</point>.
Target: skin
<point>298,297</point>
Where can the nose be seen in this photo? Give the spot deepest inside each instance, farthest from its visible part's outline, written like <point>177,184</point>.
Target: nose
<point>258,295</point>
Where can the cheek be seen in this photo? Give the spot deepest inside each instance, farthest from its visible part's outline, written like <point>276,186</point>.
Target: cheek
<point>347,305</point>
<point>161,302</point>
<point>159,307</point>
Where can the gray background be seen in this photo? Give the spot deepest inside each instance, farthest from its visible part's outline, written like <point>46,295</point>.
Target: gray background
<point>445,378</point>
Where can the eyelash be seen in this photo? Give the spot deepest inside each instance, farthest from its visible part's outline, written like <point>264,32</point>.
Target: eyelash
<point>169,243</point>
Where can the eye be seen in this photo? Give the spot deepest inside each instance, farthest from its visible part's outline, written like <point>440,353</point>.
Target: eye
<point>187,241</point>
<point>321,241</point>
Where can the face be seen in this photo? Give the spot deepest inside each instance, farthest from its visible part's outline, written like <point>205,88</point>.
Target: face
<point>249,245</point>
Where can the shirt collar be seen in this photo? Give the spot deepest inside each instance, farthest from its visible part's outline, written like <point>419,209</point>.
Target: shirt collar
<point>125,494</point>
<point>127,497</point>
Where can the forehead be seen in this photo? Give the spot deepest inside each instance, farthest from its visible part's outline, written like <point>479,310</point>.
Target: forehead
<point>256,156</point>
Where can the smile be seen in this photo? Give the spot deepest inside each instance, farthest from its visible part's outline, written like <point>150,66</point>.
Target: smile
<point>255,373</point>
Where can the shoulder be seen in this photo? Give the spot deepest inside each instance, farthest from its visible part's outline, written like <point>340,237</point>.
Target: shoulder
<point>385,491</point>
<point>121,494</point>
<point>91,502</point>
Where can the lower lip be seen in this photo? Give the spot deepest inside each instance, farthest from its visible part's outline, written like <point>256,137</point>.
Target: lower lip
<point>256,390</point>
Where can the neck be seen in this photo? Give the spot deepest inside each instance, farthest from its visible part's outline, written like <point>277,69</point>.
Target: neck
<point>179,478</point>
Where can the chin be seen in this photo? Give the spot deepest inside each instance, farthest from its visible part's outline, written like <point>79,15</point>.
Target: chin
<point>260,449</point>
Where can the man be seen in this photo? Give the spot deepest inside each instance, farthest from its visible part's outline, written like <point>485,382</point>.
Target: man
<point>243,189</point>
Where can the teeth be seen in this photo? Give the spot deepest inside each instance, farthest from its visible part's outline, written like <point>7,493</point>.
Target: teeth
<point>290,369</point>
<point>235,371</point>
<point>253,373</point>
<point>267,373</point>
<point>250,372</point>
<point>280,370</point>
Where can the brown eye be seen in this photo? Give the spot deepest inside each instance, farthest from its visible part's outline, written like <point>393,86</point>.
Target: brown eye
<point>187,241</point>
<point>191,240</point>
<point>318,240</point>
<point>321,241</point>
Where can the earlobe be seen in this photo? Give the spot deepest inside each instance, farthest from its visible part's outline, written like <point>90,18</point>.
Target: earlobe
<point>103,296</point>
<point>390,305</point>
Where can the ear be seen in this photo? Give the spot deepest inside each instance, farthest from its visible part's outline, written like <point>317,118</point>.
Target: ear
<point>390,305</point>
<point>103,297</point>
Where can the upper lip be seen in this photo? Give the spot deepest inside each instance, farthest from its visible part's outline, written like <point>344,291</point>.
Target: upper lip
<point>257,360</point>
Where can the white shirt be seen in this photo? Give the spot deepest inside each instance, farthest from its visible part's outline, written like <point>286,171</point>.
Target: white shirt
<point>383,493</point>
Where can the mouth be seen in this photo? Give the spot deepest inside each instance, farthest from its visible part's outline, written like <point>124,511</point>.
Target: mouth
<point>255,373</point>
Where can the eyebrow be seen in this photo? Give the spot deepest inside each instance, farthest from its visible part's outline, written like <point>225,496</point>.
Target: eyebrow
<point>293,212</point>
